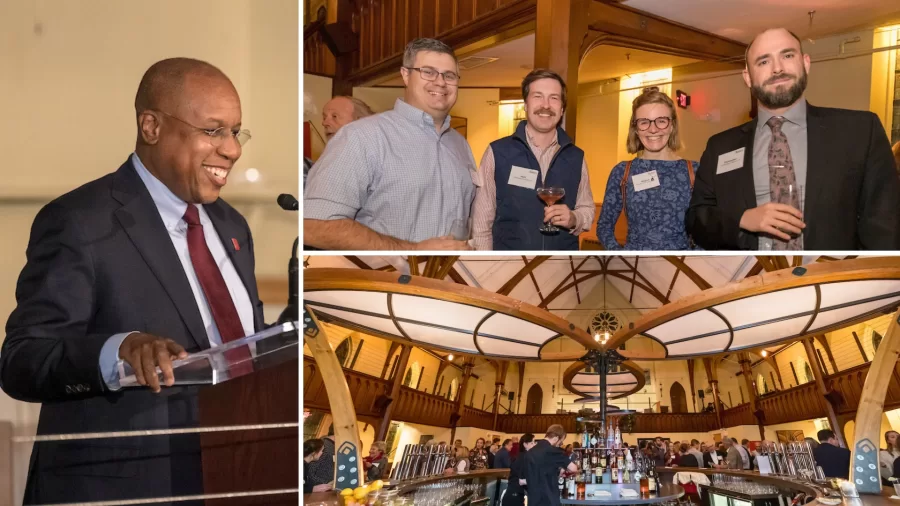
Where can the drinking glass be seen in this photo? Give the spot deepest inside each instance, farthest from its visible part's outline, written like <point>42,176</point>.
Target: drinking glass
<point>550,195</point>
<point>461,230</point>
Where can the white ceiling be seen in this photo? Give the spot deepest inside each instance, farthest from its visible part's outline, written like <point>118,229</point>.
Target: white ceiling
<point>742,19</point>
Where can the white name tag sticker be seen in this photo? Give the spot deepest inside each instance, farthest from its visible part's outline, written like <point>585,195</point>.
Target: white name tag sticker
<point>526,178</point>
<point>730,161</point>
<point>645,181</point>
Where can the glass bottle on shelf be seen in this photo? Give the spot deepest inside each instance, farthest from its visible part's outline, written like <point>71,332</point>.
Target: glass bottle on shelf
<point>618,436</point>
<point>629,461</point>
<point>614,470</point>
<point>651,480</point>
<point>562,485</point>
<point>571,484</point>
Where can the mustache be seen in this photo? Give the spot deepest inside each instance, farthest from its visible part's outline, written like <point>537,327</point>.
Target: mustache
<point>545,110</point>
<point>780,77</point>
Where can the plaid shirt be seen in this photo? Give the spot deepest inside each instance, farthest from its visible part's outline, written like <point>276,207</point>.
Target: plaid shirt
<point>322,470</point>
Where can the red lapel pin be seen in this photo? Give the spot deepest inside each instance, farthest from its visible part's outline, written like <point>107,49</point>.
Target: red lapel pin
<point>237,247</point>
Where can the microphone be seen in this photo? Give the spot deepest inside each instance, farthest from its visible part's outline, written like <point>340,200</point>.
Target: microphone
<point>287,202</point>
<point>292,311</point>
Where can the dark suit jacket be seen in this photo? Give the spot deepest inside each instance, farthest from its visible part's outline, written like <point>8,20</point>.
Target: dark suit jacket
<point>100,262</point>
<point>852,192</point>
<point>834,460</point>
<point>708,460</point>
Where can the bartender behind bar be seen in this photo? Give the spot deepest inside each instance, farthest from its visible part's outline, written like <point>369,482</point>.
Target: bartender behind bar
<point>544,463</point>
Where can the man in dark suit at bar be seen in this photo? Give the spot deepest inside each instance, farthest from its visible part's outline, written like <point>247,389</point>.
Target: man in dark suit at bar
<point>834,460</point>
<point>798,177</point>
<point>144,265</point>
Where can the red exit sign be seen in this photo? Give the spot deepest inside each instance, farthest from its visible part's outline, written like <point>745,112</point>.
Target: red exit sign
<point>682,99</point>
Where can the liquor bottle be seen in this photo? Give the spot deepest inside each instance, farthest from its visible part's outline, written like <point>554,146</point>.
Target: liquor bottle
<point>629,461</point>
<point>651,480</point>
<point>572,487</point>
<point>621,478</point>
<point>586,459</point>
<point>593,439</point>
<point>580,484</point>
<point>613,470</point>
<point>598,474</point>
<point>618,436</point>
<point>562,486</point>
<point>594,458</point>
<point>603,459</point>
<point>637,476</point>
<point>620,460</point>
<point>627,477</point>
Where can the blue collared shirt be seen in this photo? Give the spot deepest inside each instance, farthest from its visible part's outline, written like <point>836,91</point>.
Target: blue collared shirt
<point>171,210</point>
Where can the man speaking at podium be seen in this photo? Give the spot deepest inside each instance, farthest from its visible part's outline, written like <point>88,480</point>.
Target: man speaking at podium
<point>145,265</point>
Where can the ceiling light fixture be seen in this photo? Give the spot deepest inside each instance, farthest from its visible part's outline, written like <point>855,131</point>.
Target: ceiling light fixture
<point>450,357</point>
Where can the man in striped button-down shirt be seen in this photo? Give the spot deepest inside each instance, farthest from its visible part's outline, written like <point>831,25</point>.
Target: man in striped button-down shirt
<point>400,179</point>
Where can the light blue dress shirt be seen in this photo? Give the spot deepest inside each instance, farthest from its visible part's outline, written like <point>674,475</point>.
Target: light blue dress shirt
<point>171,210</point>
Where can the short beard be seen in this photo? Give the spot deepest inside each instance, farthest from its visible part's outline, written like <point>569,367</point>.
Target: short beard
<point>781,99</point>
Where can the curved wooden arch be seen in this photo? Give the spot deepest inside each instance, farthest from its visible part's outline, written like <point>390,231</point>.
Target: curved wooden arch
<point>318,279</point>
<point>628,365</point>
<point>870,268</point>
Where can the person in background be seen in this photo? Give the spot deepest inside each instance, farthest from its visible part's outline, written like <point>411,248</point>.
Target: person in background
<point>544,463</point>
<point>502,459</point>
<point>688,457</point>
<point>478,457</point>
<point>376,462</point>
<point>751,456</point>
<point>732,456</point>
<point>834,460</point>
<point>507,213</point>
<point>710,456</point>
<point>312,452</point>
<point>462,463</point>
<point>773,183</point>
<point>745,455</point>
<point>568,450</point>
<point>655,187</point>
<point>696,449</point>
<point>399,179</point>
<point>722,450</point>
<point>340,111</point>
<point>812,442</point>
<point>321,470</point>
<point>457,443</point>
<point>514,453</point>
<point>518,471</point>
<point>492,453</point>
<point>660,452</point>
<point>887,456</point>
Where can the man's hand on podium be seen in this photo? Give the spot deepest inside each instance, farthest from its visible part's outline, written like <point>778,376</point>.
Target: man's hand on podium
<point>144,352</point>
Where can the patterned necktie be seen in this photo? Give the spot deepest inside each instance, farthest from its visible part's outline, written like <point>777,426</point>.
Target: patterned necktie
<point>213,284</point>
<point>782,179</point>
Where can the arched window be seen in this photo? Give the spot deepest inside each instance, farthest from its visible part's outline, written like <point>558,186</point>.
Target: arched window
<point>454,385</point>
<point>761,386</point>
<point>535,401</point>
<point>876,340</point>
<point>343,351</point>
<point>807,371</point>
<point>412,375</point>
<point>679,399</point>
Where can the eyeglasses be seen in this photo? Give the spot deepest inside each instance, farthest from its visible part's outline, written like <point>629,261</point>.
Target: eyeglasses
<point>661,122</point>
<point>430,74</point>
<point>216,136</point>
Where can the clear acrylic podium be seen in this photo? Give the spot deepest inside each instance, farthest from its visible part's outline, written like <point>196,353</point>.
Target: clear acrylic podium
<point>256,457</point>
<point>273,346</point>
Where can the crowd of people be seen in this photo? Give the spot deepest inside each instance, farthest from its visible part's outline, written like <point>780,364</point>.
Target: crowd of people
<point>404,179</point>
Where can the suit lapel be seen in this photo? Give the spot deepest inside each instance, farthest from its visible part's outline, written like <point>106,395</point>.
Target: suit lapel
<point>229,232</point>
<point>816,155</point>
<point>748,186</point>
<point>140,219</point>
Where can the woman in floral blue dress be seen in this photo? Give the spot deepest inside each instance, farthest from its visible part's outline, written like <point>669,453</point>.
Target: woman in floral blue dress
<point>656,185</point>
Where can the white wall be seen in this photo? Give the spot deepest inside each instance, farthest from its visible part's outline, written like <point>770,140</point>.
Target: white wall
<point>70,72</point>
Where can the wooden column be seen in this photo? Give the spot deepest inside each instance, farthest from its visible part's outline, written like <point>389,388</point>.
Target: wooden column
<point>341,13</point>
<point>690,364</point>
<point>521,366</point>
<point>714,384</point>
<point>867,430</point>
<point>500,380</point>
<point>460,403</point>
<point>823,342</point>
<point>343,414</point>
<point>561,27</point>
<point>820,383</point>
<point>395,392</point>
<point>751,391</point>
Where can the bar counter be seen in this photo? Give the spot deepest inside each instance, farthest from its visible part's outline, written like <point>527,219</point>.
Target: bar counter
<point>668,492</point>
<point>816,490</point>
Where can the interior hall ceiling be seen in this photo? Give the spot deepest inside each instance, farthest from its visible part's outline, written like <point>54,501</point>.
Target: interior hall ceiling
<point>742,19</point>
<point>515,58</point>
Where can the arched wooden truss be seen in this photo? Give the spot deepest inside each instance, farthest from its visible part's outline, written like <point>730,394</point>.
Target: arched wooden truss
<point>772,307</point>
<point>426,312</point>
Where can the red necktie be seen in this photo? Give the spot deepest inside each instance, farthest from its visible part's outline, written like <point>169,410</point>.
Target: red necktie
<point>220,304</point>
